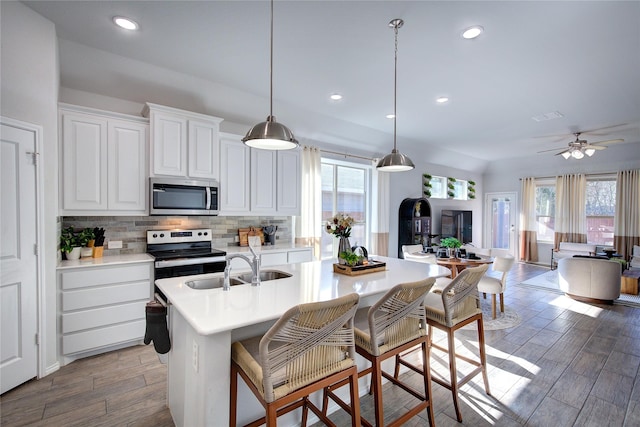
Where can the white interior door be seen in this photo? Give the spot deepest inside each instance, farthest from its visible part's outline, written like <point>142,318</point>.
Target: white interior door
<point>501,213</point>
<point>18,261</point>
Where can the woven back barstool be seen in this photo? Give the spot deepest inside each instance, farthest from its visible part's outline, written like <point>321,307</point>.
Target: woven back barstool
<point>455,306</point>
<point>310,347</point>
<point>393,325</point>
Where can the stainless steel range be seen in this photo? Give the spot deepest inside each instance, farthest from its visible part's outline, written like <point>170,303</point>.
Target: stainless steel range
<point>184,252</point>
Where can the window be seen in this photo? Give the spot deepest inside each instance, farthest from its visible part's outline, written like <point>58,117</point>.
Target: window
<point>600,209</point>
<point>440,187</point>
<point>344,190</point>
<point>545,211</point>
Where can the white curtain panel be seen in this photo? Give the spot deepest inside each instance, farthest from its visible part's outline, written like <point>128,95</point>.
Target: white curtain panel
<point>571,221</point>
<point>309,223</point>
<point>379,212</point>
<point>528,222</point>
<point>627,220</point>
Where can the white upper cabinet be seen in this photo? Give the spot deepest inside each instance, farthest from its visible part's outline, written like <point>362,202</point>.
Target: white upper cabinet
<point>234,175</point>
<point>183,143</point>
<point>103,162</point>
<point>258,182</point>
<point>288,183</point>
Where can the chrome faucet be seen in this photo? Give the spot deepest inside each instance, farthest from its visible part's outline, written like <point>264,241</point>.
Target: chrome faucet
<point>253,263</point>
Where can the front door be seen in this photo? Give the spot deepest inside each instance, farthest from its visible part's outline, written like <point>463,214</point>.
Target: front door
<point>501,212</point>
<point>18,261</point>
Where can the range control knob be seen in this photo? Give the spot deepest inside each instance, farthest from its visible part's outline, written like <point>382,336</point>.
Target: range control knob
<point>206,232</point>
<point>199,233</point>
<point>161,234</point>
<point>155,235</point>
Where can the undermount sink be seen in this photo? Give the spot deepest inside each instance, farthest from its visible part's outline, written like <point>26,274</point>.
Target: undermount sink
<point>266,275</point>
<point>243,279</point>
<point>213,283</point>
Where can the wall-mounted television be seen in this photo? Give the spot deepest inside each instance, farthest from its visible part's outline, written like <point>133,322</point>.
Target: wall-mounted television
<point>456,224</point>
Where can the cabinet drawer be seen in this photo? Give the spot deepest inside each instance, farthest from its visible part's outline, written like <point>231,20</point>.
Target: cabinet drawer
<point>105,316</point>
<point>105,276</point>
<point>273,259</point>
<point>96,338</point>
<point>300,256</point>
<point>87,298</point>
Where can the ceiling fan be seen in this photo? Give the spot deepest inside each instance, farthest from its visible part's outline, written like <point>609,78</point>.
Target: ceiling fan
<point>578,148</point>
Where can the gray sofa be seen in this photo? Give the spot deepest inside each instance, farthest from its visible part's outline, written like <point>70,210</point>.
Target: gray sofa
<point>590,279</point>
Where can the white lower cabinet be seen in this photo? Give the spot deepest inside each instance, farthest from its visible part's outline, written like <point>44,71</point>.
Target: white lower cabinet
<point>103,306</point>
<point>299,255</point>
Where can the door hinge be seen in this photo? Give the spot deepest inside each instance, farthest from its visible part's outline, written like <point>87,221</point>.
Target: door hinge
<point>37,339</point>
<point>35,249</point>
<point>34,157</point>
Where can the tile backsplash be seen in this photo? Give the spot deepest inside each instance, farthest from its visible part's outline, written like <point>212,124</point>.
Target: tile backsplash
<point>132,230</point>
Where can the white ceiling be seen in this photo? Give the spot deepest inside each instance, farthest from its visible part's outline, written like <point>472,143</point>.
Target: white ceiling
<point>580,58</point>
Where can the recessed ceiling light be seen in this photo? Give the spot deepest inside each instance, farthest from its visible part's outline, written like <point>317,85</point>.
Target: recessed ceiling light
<point>442,100</point>
<point>472,32</point>
<point>390,116</point>
<point>336,96</point>
<point>126,23</point>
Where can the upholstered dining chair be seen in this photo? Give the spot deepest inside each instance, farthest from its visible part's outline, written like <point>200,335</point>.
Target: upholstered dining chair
<point>456,306</point>
<point>392,325</point>
<point>495,286</point>
<point>310,347</point>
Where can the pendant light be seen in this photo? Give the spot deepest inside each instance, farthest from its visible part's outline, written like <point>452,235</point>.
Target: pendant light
<point>396,161</point>
<point>270,135</point>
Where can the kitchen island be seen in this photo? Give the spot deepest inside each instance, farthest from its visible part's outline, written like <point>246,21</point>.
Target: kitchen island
<point>204,323</point>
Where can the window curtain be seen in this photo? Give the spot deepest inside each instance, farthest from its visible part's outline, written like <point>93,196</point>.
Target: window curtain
<point>571,220</point>
<point>309,223</point>
<point>528,222</point>
<point>627,218</point>
<point>379,212</point>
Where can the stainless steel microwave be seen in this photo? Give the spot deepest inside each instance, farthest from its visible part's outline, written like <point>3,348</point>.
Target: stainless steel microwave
<point>180,196</point>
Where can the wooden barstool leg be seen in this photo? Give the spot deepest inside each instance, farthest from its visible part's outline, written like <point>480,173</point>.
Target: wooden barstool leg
<point>234,396</point>
<point>502,302</point>
<point>355,414</point>
<point>483,354</point>
<point>453,373</point>
<point>376,382</point>
<point>426,374</point>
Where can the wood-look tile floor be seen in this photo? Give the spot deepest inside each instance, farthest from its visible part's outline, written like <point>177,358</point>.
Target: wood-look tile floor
<point>567,364</point>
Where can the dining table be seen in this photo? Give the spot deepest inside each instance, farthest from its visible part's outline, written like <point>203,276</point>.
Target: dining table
<point>456,265</point>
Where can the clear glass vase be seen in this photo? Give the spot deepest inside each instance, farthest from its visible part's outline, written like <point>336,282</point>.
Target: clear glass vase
<point>343,246</point>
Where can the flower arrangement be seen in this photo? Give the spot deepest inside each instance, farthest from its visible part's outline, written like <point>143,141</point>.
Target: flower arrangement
<point>340,225</point>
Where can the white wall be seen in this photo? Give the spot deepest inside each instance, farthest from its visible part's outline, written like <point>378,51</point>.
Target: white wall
<point>30,81</point>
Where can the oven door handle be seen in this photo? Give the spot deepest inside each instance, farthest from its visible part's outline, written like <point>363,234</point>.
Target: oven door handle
<point>189,261</point>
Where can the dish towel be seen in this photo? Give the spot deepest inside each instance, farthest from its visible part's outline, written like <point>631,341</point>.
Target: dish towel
<point>156,331</point>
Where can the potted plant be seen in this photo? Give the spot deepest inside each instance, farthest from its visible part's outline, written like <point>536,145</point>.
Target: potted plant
<point>471,189</point>
<point>86,239</point>
<point>350,258</point>
<point>451,243</point>
<point>69,243</point>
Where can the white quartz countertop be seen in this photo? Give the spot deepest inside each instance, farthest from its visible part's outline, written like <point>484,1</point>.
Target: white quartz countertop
<point>213,310</point>
<point>105,260</point>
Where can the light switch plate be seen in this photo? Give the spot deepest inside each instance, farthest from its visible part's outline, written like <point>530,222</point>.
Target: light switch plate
<point>115,244</point>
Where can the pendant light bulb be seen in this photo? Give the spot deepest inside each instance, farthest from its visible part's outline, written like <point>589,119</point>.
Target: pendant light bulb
<point>396,161</point>
<point>270,135</point>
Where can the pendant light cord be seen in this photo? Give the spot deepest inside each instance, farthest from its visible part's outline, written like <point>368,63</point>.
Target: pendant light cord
<point>396,23</point>
<point>271,66</point>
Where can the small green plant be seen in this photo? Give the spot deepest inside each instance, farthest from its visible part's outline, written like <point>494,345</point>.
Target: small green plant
<point>623,263</point>
<point>450,242</point>
<point>450,179</point>
<point>426,176</point>
<point>350,258</point>
<point>68,239</point>
<point>451,186</point>
<point>471,183</point>
<point>427,193</point>
<point>85,236</point>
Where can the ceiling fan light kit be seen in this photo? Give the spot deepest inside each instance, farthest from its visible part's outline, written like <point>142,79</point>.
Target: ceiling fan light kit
<point>270,135</point>
<point>578,148</point>
<point>396,161</point>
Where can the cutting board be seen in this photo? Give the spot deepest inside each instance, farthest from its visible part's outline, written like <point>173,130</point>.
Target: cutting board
<point>244,233</point>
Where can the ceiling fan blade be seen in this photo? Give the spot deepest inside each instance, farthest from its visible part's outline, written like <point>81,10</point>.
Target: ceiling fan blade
<point>553,149</point>
<point>595,147</point>
<point>608,142</point>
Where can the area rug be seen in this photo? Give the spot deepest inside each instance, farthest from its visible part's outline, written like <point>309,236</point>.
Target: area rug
<point>506,320</point>
<point>549,281</point>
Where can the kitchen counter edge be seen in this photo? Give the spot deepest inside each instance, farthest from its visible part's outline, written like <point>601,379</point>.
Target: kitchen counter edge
<point>105,261</point>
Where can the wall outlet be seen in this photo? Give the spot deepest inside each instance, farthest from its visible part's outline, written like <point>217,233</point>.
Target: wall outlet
<point>195,356</point>
<point>115,244</point>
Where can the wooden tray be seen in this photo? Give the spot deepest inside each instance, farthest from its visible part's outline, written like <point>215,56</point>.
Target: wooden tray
<point>356,270</point>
